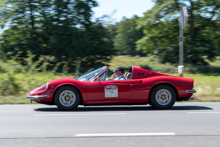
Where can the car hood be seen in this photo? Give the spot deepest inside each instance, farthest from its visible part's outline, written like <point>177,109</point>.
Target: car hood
<point>62,80</point>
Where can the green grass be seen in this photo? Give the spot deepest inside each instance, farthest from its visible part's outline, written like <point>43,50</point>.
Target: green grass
<point>27,83</point>
<point>207,87</point>
<point>206,84</point>
<point>151,63</point>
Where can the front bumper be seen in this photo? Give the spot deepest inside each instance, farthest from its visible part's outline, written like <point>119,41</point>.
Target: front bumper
<point>36,96</point>
<point>191,91</point>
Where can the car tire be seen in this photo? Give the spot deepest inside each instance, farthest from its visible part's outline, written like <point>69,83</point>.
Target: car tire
<point>67,98</point>
<point>163,97</point>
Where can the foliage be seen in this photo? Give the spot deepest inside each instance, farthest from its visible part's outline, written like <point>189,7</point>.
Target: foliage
<point>206,84</point>
<point>8,84</point>
<point>12,84</point>
<point>152,63</point>
<point>55,28</point>
<point>161,31</point>
<point>127,35</point>
<point>112,31</point>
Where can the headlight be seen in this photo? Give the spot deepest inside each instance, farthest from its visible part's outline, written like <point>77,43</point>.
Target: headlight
<point>40,89</point>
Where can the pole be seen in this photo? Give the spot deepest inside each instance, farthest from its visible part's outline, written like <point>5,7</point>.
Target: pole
<point>181,40</point>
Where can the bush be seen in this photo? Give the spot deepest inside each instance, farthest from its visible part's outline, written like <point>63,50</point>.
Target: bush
<point>9,84</point>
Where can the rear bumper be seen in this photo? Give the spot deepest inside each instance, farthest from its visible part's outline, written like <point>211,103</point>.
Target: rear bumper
<point>36,96</point>
<point>191,91</point>
<point>188,98</point>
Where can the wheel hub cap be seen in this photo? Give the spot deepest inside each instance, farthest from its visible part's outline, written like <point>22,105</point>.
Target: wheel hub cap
<point>67,98</point>
<point>163,97</point>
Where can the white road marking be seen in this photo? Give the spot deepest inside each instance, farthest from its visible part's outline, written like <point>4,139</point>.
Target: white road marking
<point>123,134</point>
<point>82,114</point>
<point>203,112</point>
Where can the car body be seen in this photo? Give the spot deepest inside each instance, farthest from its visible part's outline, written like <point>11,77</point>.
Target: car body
<point>141,87</point>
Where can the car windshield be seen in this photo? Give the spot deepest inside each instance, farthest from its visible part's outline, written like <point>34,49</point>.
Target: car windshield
<point>88,76</point>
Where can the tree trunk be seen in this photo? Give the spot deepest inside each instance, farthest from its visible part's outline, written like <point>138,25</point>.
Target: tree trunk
<point>192,19</point>
<point>32,17</point>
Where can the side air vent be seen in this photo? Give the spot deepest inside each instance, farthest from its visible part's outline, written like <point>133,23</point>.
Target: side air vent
<point>140,74</point>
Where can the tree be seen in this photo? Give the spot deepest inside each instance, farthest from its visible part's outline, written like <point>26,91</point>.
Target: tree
<point>161,30</point>
<point>127,35</point>
<point>112,31</point>
<point>58,28</point>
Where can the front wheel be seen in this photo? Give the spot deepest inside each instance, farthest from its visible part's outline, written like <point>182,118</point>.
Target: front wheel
<point>67,98</point>
<point>163,97</point>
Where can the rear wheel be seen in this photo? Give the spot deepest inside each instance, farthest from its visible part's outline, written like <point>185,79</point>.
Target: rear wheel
<point>163,97</point>
<point>67,98</point>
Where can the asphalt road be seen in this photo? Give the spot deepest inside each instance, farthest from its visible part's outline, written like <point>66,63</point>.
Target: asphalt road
<point>186,124</point>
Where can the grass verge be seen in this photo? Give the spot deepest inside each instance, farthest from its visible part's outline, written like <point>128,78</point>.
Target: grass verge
<point>206,84</point>
<point>207,87</point>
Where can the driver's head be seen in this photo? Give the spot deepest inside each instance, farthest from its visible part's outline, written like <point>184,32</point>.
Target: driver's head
<point>119,71</point>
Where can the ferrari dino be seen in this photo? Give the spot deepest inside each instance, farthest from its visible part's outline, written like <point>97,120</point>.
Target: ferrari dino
<point>140,87</point>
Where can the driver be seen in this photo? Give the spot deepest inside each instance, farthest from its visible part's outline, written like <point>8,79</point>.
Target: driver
<point>118,74</point>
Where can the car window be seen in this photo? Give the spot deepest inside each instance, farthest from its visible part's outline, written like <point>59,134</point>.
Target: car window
<point>101,77</point>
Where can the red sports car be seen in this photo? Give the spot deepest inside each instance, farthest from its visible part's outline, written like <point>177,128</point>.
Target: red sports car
<point>141,87</point>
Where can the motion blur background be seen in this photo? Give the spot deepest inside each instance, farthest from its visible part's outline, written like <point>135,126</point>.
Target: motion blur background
<point>41,40</point>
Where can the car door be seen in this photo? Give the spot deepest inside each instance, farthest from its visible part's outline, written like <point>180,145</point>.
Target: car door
<point>109,91</point>
<point>96,92</point>
<point>125,89</point>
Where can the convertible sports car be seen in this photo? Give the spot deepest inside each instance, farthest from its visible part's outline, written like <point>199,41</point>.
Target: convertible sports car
<point>141,87</point>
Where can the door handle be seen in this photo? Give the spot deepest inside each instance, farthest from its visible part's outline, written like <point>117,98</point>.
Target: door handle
<point>140,82</point>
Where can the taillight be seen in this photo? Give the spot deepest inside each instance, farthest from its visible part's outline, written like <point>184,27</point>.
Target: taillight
<point>39,89</point>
